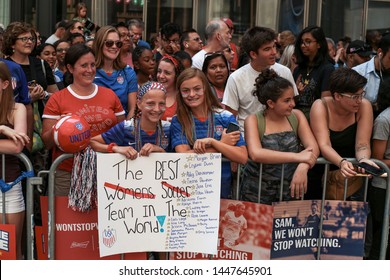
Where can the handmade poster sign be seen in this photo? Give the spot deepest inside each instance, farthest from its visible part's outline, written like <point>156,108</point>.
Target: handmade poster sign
<point>165,202</point>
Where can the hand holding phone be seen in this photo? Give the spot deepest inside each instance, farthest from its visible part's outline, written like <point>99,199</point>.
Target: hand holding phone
<point>370,169</point>
<point>232,127</point>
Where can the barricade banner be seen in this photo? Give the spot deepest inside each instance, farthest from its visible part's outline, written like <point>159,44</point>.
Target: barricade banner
<point>7,242</point>
<point>296,230</point>
<point>166,202</point>
<point>76,234</point>
<point>245,233</point>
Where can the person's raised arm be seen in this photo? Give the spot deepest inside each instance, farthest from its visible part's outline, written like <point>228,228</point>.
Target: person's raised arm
<point>363,133</point>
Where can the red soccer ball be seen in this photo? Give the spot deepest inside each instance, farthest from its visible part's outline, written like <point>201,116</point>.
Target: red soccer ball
<point>72,134</point>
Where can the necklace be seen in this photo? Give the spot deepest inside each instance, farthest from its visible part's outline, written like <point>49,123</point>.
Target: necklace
<point>308,71</point>
<point>138,138</point>
<point>210,126</point>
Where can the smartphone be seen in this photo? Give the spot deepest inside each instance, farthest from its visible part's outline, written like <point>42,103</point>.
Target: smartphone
<point>232,127</point>
<point>32,83</point>
<point>370,169</point>
<point>89,25</point>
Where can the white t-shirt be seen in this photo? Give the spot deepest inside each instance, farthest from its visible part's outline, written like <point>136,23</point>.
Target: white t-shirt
<point>240,86</point>
<point>198,59</point>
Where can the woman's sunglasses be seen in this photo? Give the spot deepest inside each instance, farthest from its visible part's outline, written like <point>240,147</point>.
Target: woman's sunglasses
<point>110,43</point>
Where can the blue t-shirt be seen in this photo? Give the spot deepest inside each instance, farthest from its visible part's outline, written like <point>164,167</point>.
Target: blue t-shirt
<point>19,82</point>
<point>122,82</point>
<point>222,119</point>
<point>123,134</point>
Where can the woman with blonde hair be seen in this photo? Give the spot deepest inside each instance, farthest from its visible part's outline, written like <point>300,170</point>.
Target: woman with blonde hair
<point>111,71</point>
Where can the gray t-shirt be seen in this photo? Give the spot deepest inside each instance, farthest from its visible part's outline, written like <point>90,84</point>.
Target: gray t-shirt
<point>382,132</point>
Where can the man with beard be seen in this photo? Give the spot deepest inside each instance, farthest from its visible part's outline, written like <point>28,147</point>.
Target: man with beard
<point>218,37</point>
<point>259,43</point>
<point>376,70</point>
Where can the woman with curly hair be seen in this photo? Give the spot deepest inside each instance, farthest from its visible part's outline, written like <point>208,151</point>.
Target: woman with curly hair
<point>273,136</point>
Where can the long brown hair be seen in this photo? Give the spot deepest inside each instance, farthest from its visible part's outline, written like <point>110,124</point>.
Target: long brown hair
<point>7,102</point>
<point>183,112</point>
<point>98,45</point>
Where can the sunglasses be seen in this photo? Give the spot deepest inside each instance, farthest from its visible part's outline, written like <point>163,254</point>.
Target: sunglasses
<point>79,27</point>
<point>110,43</point>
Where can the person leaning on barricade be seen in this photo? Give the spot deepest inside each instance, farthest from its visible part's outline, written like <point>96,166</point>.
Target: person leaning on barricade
<point>200,125</point>
<point>342,124</point>
<point>381,151</point>
<point>98,105</point>
<point>13,138</point>
<point>274,136</point>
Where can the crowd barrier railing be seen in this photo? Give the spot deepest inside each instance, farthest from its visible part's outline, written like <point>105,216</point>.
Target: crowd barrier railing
<point>36,181</point>
<point>322,161</point>
<point>30,182</point>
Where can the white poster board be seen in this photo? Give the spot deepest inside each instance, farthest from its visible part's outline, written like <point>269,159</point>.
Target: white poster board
<point>166,202</point>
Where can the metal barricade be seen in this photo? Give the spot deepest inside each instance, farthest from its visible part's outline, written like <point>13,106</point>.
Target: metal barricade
<point>236,192</point>
<point>385,226</point>
<point>30,181</point>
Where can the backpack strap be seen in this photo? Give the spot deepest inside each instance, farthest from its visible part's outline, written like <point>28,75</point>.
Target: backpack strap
<point>292,119</point>
<point>260,123</point>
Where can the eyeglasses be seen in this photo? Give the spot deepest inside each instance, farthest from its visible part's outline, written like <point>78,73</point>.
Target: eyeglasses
<point>59,50</point>
<point>26,39</point>
<point>176,41</point>
<point>213,54</point>
<point>110,43</point>
<point>354,97</point>
<point>79,27</point>
<point>307,43</point>
<point>187,91</point>
<point>197,39</point>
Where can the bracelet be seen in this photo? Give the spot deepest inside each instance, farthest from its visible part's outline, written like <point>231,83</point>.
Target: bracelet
<point>341,161</point>
<point>110,146</point>
<point>359,159</point>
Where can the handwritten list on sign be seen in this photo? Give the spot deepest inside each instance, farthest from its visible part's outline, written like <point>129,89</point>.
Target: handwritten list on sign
<point>165,202</point>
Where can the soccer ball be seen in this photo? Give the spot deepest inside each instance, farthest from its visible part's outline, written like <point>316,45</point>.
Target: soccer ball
<point>72,134</point>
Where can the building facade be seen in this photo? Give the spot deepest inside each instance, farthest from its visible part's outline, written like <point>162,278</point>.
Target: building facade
<point>338,18</point>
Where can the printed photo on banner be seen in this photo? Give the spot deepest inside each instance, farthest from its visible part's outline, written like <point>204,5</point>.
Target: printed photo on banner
<point>163,202</point>
<point>296,230</point>
<point>76,234</point>
<point>245,233</point>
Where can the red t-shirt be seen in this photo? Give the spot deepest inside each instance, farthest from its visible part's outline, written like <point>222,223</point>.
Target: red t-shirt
<point>100,110</point>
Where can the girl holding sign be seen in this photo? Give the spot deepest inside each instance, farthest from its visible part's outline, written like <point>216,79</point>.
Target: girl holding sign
<point>200,125</point>
<point>145,132</point>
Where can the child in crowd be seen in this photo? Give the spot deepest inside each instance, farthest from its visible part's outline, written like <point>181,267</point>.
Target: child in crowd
<point>145,132</point>
<point>168,69</point>
<point>273,136</point>
<point>144,64</point>
<point>200,125</point>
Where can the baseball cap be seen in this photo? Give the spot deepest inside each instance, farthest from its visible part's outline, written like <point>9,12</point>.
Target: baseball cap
<point>228,22</point>
<point>359,47</point>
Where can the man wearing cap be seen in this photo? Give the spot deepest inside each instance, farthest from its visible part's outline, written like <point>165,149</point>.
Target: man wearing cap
<point>60,31</point>
<point>357,53</point>
<point>218,37</point>
<point>233,46</point>
<point>376,69</point>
